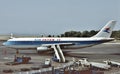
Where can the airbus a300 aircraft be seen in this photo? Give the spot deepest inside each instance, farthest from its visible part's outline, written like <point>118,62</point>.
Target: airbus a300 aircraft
<point>48,43</point>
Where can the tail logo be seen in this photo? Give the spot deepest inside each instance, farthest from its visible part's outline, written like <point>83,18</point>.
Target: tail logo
<point>107,29</point>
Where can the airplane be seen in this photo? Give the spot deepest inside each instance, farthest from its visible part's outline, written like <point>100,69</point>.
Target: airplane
<point>48,43</point>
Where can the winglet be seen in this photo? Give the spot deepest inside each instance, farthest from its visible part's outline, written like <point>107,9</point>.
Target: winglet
<point>106,31</point>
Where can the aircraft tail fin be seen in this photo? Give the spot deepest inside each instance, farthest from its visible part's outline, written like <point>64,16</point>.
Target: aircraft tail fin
<point>106,31</point>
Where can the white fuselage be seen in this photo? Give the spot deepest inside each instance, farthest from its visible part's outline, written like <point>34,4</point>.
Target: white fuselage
<point>37,42</point>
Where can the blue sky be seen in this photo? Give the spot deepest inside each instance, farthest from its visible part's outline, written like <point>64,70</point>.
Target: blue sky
<point>56,16</point>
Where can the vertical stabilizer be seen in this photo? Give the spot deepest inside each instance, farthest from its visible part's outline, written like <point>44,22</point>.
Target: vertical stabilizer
<point>106,31</point>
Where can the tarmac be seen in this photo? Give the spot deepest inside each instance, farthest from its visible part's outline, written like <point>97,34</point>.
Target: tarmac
<point>96,53</point>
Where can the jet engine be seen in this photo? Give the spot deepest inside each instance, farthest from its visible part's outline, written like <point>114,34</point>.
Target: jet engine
<point>42,48</point>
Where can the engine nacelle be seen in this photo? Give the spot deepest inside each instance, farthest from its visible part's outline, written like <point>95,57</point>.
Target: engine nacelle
<point>42,48</point>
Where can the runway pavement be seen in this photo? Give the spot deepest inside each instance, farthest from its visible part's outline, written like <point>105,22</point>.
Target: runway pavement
<point>102,51</point>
